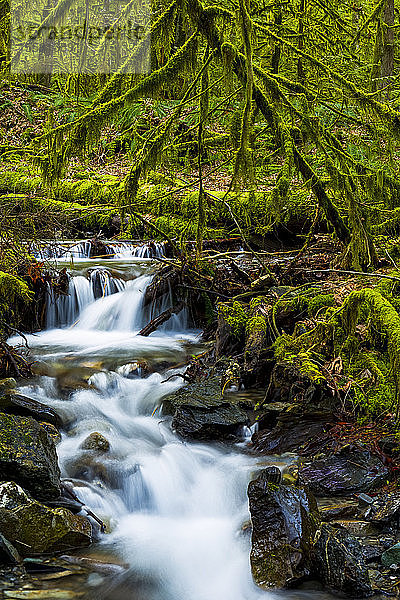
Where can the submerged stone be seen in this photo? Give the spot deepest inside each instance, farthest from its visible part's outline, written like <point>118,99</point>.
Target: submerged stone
<point>97,442</point>
<point>28,456</point>
<point>36,529</point>
<point>285,520</point>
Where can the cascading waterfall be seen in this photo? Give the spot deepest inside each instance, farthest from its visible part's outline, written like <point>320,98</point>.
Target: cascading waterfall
<point>175,509</point>
<point>83,249</point>
<point>64,310</point>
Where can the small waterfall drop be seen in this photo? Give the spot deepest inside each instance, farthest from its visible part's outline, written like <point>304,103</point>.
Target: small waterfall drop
<point>117,312</point>
<point>64,310</point>
<point>83,250</point>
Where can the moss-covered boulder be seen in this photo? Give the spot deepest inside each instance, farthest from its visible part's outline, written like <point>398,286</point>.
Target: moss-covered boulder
<point>36,529</point>
<point>285,520</point>
<point>28,456</point>
<point>200,411</point>
<point>17,404</point>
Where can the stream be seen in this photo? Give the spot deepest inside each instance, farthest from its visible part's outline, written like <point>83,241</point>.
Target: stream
<point>176,511</point>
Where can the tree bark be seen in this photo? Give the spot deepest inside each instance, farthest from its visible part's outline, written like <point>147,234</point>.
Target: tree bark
<point>387,60</point>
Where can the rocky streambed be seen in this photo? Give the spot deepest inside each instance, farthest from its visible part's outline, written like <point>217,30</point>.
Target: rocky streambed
<point>129,464</point>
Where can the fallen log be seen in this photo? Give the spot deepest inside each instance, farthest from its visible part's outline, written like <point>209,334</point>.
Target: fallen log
<point>157,321</point>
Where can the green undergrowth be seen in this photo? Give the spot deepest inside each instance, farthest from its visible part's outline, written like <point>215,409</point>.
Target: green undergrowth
<point>354,348</point>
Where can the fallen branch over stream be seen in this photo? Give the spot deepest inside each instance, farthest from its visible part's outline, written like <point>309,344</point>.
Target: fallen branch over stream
<point>157,321</point>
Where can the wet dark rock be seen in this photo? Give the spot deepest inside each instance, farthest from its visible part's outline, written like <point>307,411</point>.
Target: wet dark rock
<point>343,474</point>
<point>96,442</point>
<point>67,503</point>
<point>270,414</point>
<point>289,435</point>
<point>271,475</point>
<point>36,529</point>
<point>309,414</point>
<point>8,553</point>
<point>17,404</point>
<point>285,520</point>
<point>391,556</point>
<point>28,456</point>
<point>389,511</point>
<point>341,509</point>
<point>200,412</point>
<point>339,563</point>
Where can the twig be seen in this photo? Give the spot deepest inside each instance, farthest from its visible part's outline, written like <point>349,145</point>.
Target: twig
<point>72,494</point>
<point>349,273</point>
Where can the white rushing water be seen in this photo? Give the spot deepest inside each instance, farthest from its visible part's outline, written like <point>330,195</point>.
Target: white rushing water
<point>83,249</point>
<point>175,509</point>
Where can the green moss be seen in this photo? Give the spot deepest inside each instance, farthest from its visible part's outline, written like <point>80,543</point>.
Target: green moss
<point>235,315</point>
<point>319,302</point>
<point>12,290</point>
<point>256,325</point>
